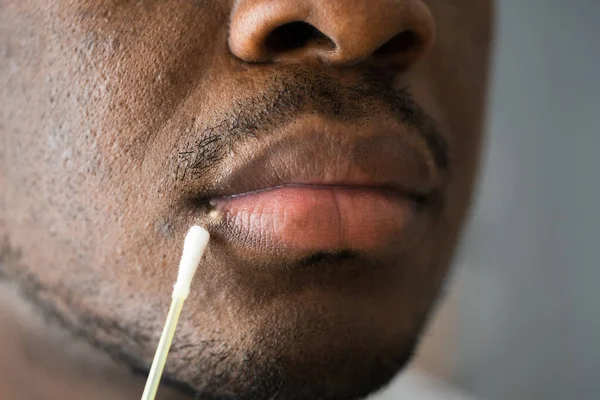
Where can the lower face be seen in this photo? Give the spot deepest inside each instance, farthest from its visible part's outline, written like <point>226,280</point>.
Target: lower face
<point>306,290</point>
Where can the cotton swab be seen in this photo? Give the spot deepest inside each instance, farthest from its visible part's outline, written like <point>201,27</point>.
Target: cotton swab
<point>194,245</point>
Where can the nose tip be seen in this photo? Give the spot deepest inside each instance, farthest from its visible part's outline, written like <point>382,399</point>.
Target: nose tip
<point>346,32</point>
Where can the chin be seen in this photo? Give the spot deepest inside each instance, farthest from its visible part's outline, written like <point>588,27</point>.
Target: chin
<point>333,374</point>
<point>335,351</point>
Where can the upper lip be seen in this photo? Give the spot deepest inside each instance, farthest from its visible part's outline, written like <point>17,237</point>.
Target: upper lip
<point>378,156</point>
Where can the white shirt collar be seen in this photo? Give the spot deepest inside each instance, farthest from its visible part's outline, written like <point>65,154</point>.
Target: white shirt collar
<point>414,384</point>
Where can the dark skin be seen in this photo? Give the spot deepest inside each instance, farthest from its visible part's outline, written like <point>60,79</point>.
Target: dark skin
<point>102,105</point>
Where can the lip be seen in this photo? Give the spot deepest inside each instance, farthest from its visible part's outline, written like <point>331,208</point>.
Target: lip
<point>314,218</point>
<point>322,186</point>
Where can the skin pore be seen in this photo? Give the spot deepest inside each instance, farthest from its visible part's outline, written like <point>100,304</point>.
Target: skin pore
<point>125,122</point>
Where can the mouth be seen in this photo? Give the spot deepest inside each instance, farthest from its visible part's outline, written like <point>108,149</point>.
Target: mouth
<point>323,186</point>
<point>312,218</point>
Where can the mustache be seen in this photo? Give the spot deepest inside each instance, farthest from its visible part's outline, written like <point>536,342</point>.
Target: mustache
<point>302,92</point>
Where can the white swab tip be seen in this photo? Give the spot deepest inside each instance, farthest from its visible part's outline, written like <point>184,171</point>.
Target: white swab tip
<point>194,246</point>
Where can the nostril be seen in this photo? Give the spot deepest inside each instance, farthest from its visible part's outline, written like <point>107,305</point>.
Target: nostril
<point>405,42</point>
<point>295,35</point>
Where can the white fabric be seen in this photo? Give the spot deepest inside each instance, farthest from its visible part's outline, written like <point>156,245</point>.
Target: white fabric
<point>417,385</point>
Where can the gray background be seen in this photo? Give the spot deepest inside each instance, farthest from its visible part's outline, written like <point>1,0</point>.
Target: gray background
<point>529,304</point>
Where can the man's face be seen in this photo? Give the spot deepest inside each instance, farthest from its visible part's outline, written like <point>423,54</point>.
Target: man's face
<point>328,146</point>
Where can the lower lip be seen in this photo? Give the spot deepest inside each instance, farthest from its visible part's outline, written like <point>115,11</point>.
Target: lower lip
<point>317,218</point>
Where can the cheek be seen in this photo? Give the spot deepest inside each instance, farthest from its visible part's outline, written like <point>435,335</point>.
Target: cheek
<point>81,186</point>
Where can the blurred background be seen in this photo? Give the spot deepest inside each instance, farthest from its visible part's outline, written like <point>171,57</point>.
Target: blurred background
<point>522,320</point>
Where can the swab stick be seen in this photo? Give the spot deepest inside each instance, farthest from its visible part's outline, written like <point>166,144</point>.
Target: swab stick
<point>194,245</point>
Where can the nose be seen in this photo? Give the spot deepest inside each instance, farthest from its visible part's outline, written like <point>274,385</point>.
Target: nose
<point>338,32</point>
